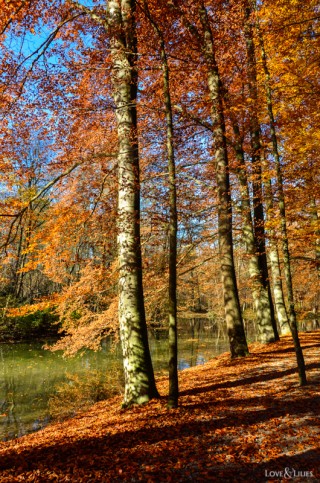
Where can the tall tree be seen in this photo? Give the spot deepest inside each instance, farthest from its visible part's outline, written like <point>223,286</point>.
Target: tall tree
<point>279,299</point>
<point>238,344</point>
<point>259,290</point>
<point>139,378</point>
<point>270,332</point>
<point>173,218</point>
<point>283,224</point>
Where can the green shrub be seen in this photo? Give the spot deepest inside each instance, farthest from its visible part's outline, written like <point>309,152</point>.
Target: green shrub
<point>40,324</point>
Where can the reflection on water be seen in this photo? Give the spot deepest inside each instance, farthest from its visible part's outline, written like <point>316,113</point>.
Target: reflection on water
<point>29,373</point>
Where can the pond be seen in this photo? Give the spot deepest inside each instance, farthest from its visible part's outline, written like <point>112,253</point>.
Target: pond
<point>31,375</point>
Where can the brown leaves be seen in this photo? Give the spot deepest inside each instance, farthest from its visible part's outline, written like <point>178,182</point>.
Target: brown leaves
<point>237,419</point>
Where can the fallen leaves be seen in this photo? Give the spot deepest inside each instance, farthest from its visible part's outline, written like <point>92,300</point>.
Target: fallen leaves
<point>236,421</point>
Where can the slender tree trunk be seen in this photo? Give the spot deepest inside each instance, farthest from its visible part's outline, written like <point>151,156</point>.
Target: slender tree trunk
<point>280,305</point>
<point>18,276</point>
<point>258,210</point>
<point>235,328</point>
<point>283,227</point>
<point>173,226</point>
<point>259,291</point>
<point>139,378</point>
<point>278,289</point>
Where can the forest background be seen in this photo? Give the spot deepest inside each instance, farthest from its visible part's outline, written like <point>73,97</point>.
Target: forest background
<point>176,142</point>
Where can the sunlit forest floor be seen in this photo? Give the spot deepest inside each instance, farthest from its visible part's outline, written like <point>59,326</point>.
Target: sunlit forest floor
<point>243,420</point>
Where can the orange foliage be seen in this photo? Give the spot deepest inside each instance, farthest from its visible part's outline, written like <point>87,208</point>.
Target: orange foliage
<point>57,103</point>
<point>237,421</point>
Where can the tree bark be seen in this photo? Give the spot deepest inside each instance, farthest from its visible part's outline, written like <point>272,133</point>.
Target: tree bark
<point>235,328</point>
<point>259,291</point>
<point>279,302</point>
<point>283,227</point>
<point>173,225</point>
<point>280,305</point>
<point>173,229</point>
<point>139,378</point>
<point>259,229</point>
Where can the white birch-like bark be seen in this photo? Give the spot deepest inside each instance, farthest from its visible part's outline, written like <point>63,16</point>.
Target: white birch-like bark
<point>139,378</point>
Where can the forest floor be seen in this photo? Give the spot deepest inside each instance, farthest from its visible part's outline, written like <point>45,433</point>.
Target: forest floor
<point>244,420</point>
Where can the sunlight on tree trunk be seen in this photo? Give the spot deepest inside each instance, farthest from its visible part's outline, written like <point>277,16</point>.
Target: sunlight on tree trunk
<point>236,334</point>
<point>277,285</point>
<point>259,291</point>
<point>139,378</point>
<point>269,333</point>
<point>283,227</point>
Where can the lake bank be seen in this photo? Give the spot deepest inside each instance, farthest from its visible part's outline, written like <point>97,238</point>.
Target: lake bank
<point>36,385</point>
<point>246,419</point>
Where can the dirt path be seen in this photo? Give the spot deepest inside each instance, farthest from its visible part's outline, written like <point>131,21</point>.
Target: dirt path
<point>245,420</point>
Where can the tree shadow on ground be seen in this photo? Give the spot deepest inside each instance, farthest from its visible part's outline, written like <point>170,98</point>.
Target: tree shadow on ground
<point>193,443</point>
<point>302,467</point>
<point>108,446</point>
<point>259,377</point>
<point>288,350</point>
<point>147,463</point>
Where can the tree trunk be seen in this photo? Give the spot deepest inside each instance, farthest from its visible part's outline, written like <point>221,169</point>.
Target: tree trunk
<point>235,328</point>
<point>173,226</point>
<point>258,210</point>
<point>280,305</point>
<point>278,289</point>
<point>259,291</point>
<point>139,378</point>
<point>283,227</point>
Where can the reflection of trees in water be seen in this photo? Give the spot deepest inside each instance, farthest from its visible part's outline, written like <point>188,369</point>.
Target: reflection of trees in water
<point>206,338</point>
<point>11,424</point>
<point>29,374</point>
<point>195,338</point>
<point>23,390</point>
<point>200,339</point>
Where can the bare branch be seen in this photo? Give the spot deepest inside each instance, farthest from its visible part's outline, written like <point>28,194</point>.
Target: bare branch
<point>87,11</point>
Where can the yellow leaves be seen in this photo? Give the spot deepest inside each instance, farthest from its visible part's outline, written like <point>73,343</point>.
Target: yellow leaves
<point>44,304</point>
<point>29,249</point>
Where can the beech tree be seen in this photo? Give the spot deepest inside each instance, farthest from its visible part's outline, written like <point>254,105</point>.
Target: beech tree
<point>268,328</point>
<point>173,220</point>
<point>238,344</point>
<point>139,378</point>
<point>174,152</point>
<point>283,224</point>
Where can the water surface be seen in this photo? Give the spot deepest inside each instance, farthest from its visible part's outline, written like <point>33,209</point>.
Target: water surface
<point>30,374</point>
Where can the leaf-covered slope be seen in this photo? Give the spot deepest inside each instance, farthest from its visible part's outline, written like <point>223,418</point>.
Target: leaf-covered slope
<point>239,420</point>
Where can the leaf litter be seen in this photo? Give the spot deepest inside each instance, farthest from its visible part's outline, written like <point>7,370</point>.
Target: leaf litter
<point>238,420</point>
